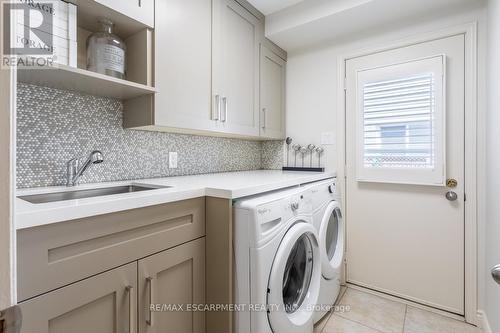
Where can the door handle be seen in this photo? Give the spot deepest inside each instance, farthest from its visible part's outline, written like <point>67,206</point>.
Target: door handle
<point>224,101</point>
<point>216,109</point>
<point>495,273</point>
<point>130,290</point>
<point>149,281</point>
<point>451,196</point>
<point>264,114</point>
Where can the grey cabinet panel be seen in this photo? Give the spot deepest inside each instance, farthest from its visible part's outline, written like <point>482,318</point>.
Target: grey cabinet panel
<point>173,277</point>
<point>272,94</point>
<point>105,303</point>
<point>56,255</point>
<point>237,36</point>
<point>183,64</point>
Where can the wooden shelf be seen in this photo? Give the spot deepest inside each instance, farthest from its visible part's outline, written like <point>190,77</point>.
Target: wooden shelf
<point>84,81</point>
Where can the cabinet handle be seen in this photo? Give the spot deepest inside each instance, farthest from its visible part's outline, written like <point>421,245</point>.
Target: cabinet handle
<point>149,281</point>
<point>264,120</point>
<point>140,3</point>
<point>130,291</point>
<point>224,101</point>
<point>216,111</point>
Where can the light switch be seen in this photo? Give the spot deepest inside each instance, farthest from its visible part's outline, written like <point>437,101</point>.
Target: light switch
<point>328,138</point>
<point>172,160</point>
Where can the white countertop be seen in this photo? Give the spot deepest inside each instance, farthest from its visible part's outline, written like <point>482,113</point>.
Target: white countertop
<point>228,185</point>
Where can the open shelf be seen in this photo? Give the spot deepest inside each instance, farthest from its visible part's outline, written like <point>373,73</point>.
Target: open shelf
<point>84,81</point>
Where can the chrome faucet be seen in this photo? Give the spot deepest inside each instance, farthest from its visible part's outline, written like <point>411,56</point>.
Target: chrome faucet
<point>74,171</point>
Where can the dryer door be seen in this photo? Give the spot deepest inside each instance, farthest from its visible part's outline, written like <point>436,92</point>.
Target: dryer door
<point>294,280</point>
<point>331,241</point>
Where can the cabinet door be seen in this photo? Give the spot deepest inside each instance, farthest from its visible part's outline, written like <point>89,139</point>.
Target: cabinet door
<point>139,10</point>
<point>272,95</point>
<point>237,35</point>
<point>173,277</point>
<point>105,303</point>
<point>183,65</point>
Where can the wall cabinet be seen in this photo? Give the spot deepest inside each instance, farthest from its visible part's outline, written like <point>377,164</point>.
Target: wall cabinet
<point>272,94</point>
<point>183,64</point>
<point>140,10</point>
<point>208,76</point>
<point>105,303</point>
<point>237,35</point>
<point>176,276</point>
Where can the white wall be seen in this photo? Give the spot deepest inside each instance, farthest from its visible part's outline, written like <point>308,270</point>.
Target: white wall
<point>312,80</point>
<point>492,248</point>
<point>312,96</point>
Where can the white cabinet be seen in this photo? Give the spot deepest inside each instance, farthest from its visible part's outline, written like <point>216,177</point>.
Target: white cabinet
<point>183,64</point>
<point>139,10</point>
<point>208,74</point>
<point>272,94</point>
<point>235,82</point>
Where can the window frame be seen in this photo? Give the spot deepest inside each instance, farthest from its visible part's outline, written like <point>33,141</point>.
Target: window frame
<point>432,176</point>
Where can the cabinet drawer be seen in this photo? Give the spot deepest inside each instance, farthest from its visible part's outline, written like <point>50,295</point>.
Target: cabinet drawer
<point>105,303</point>
<point>140,10</point>
<point>55,255</point>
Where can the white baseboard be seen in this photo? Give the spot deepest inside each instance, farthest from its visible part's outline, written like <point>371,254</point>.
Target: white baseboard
<point>483,322</point>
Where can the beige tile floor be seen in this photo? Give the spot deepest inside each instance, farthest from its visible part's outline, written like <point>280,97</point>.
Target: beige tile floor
<point>373,314</point>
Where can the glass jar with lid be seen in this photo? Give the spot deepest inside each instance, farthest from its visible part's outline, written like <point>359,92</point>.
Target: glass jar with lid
<point>106,52</point>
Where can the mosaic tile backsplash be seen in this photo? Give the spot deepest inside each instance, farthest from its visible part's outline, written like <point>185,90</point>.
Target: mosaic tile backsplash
<point>54,126</point>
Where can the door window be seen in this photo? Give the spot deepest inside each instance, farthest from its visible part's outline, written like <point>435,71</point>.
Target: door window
<point>400,131</point>
<point>298,273</point>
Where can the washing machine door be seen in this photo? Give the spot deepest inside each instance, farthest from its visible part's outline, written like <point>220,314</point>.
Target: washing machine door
<point>331,241</point>
<point>294,281</point>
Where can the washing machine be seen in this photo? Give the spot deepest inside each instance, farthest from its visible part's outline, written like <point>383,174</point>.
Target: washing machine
<point>276,263</point>
<point>328,223</point>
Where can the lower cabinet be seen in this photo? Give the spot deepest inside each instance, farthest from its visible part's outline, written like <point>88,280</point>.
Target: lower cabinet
<point>120,299</point>
<point>172,281</point>
<point>105,303</point>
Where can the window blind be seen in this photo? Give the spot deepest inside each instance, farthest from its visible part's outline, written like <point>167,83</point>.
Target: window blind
<point>399,123</point>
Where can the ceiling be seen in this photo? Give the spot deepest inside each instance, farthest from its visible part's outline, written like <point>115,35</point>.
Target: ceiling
<point>271,6</point>
<point>302,24</point>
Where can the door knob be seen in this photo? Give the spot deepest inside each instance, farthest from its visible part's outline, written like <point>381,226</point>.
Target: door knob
<point>495,272</point>
<point>451,196</point>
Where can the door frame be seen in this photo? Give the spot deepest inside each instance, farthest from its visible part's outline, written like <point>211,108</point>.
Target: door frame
<point>469,30</point>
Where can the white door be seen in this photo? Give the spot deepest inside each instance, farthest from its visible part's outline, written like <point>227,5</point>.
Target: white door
<point>235,81</point>
<point>404,140</point>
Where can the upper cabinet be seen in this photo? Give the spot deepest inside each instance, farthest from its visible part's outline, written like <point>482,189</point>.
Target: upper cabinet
<point>207,72</point>
<point>235,78</point>
<point>183,53</point>
<point>272,94</point>
<point>140,10</point>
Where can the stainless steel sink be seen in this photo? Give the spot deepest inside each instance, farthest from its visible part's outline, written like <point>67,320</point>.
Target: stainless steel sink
<point>81,194</point>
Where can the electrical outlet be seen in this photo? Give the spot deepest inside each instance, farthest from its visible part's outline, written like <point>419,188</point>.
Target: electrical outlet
<point>172,160</point>
<point>328,138</point>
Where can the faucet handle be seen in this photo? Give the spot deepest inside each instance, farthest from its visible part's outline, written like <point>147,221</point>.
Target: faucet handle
<point>71,170</point>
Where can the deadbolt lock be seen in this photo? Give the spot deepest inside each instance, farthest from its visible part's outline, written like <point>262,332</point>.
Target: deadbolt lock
<point>451,183</point>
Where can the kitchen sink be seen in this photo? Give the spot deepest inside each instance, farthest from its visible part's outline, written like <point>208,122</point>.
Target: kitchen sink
<point>81,194</point>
